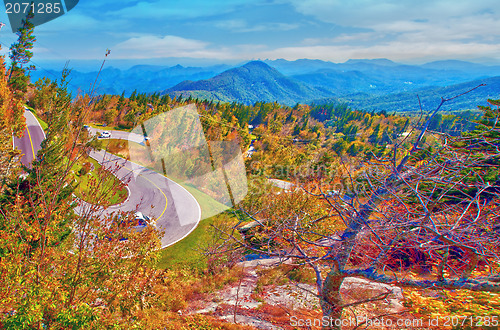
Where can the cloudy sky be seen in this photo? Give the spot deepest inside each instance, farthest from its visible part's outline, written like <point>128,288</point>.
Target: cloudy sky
<point>232,31</point>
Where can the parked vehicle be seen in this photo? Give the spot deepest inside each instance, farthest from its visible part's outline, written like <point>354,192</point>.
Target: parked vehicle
<point>142,220</point>
<point>105,135</point>
<point>138,224</point>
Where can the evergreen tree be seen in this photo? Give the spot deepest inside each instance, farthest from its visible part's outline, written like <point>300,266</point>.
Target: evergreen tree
<point>386,137</point>
<point>11,121</point>
<point>20,55</point>
<point>374,137</point>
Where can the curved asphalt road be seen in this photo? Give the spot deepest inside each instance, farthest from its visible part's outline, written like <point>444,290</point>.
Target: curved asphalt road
<point>119,135</point>
<point>33,136</point>
<point>176,211</point>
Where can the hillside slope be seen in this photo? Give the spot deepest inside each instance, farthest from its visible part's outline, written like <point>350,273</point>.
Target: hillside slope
<point>429,97</point>
<point>252,82</point>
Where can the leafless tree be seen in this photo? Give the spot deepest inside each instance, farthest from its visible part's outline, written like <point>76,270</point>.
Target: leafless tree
<point>427,218</point>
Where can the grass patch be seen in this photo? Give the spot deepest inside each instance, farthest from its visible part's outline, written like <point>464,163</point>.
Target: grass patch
<point>209,206</point>
<point>96,185</point>
<point>187,252</point>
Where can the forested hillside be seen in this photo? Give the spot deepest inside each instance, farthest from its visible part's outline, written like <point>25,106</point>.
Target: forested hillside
<point>284,135</point>
<point>253,82</point>
<point>270,194</point>
<point>326,149</point>
<point>409,101</point>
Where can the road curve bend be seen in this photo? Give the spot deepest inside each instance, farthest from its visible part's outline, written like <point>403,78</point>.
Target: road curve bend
<point>176,211</point>
<point>30,143</point>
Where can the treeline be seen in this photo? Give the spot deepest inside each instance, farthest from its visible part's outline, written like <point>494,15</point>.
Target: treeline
<point>291,136</point>
<point>282,136</point>
<point>455,123</point>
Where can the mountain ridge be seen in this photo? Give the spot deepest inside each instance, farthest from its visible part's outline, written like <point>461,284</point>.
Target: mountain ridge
<point>252,82</point>
<point>287,82</point>
<point>428,97</point>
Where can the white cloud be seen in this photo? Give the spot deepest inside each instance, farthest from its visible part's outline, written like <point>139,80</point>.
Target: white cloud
<point>167,46</point>
<point>366,13</point>
<point>395,50</point>
<point>402,29</point>
<point>356,37</point>
<point>241,26</point>
<point>430,20</point>
<point>395,29</point>
<point>148,46</point>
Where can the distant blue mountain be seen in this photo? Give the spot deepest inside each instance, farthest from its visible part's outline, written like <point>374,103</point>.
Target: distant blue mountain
<point>459,66</point>
<point>143,78</point>
<point>250,83</point>
<point>363,82</point>
<point>429,97</point>
<point>376,61</point>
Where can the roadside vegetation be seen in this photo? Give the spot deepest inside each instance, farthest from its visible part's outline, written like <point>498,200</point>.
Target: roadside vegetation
<point>191,252</point>
<point>324,149</point>
<point>118,147</point>
<point>407,201</point>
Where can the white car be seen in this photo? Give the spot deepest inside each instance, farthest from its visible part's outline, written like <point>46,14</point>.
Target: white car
<point>140,222</point>
<point>143,220</point>
<point>104,135</point>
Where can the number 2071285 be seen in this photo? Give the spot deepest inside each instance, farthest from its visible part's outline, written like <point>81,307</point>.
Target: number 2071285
<point>26,7</point>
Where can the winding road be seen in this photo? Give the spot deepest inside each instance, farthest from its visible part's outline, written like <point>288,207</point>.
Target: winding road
<point>118,135</point>
<point>32,138</point>
<point>176,211</point>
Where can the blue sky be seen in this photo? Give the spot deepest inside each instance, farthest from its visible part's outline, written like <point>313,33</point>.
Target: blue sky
<point>233,31</point>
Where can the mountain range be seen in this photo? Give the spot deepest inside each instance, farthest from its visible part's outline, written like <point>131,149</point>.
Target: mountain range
<point>252,82</point>
<point>428,98</point>
<point>377,84</point>
<point>142,78</point>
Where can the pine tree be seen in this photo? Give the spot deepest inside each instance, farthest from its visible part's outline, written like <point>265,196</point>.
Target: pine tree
<point>11,123</point>
<point>20,55</point>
